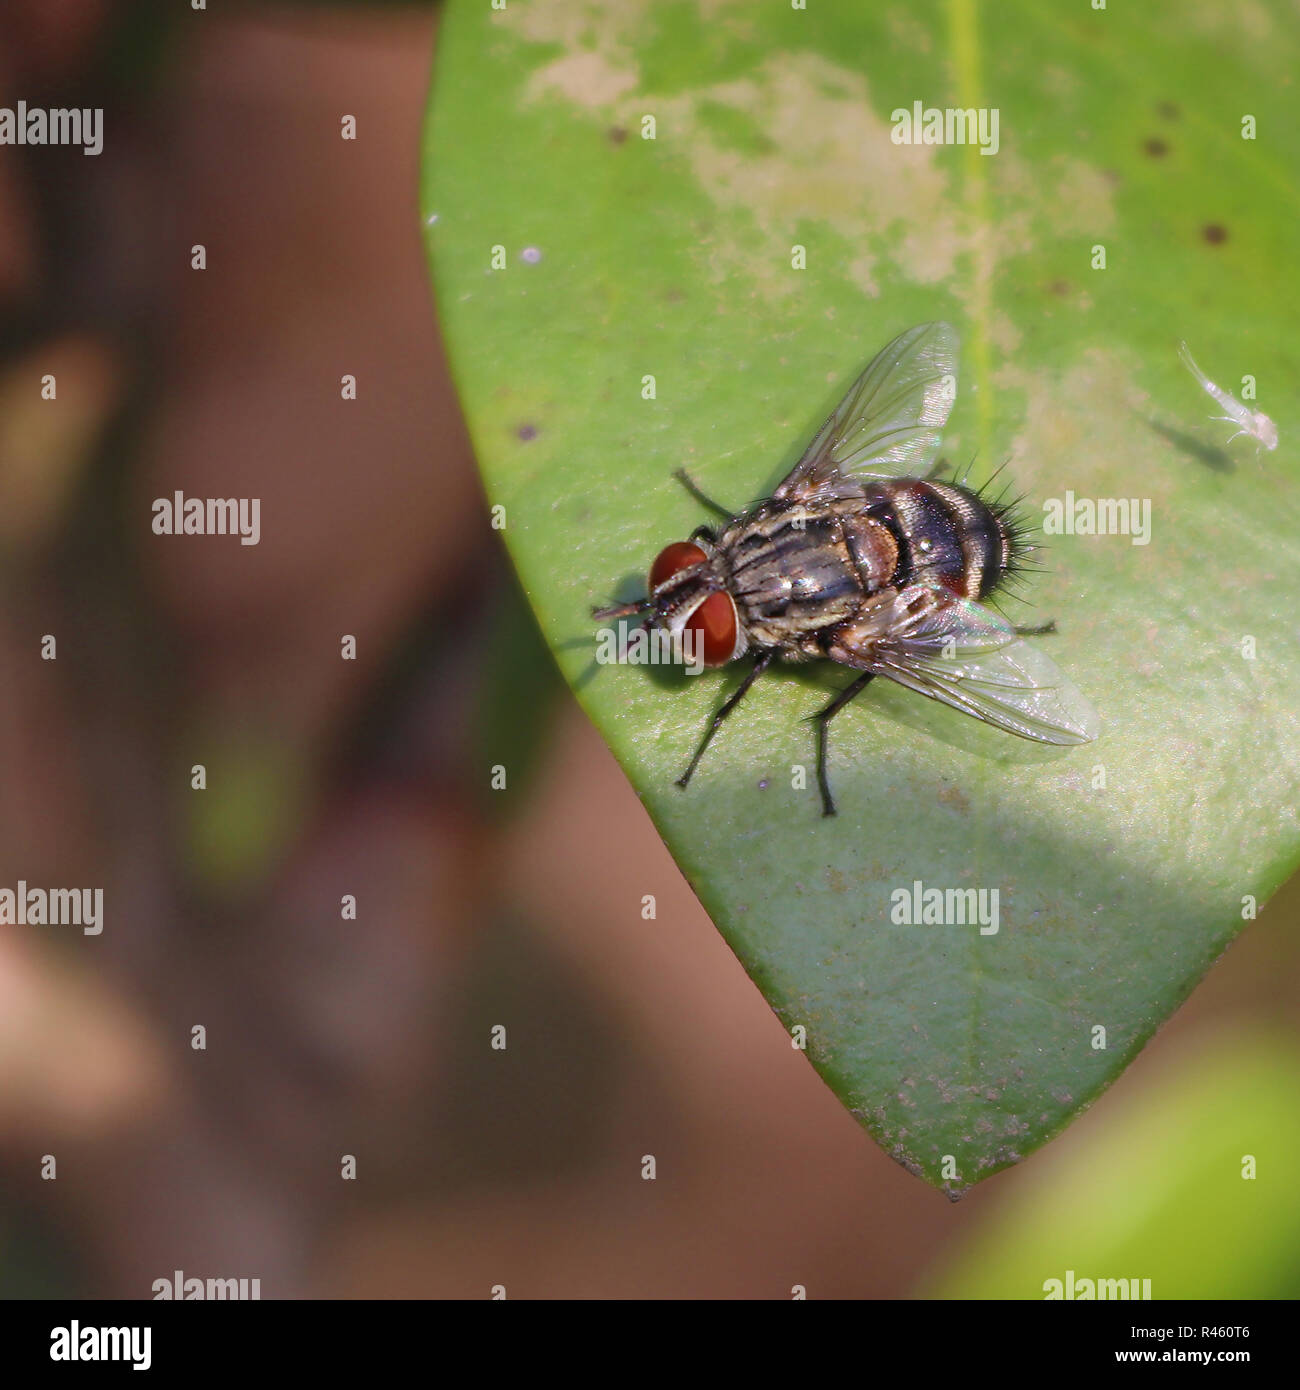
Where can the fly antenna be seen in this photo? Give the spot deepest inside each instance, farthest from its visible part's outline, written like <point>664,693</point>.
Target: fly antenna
<point>623,610</point>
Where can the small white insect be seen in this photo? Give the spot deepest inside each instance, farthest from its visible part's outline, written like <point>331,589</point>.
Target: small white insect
<point>1252,422</point>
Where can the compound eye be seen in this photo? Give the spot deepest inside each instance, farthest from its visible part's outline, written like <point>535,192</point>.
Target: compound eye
<point>681,555</point>
<point>715,622</point>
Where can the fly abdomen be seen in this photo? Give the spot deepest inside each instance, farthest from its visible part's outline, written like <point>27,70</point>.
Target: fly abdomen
<point>946,535</point>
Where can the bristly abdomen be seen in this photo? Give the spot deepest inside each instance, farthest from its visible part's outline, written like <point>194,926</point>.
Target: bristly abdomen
<point>950,534</point>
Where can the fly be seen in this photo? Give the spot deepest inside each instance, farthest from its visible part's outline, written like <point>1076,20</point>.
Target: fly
<point>862,557</point>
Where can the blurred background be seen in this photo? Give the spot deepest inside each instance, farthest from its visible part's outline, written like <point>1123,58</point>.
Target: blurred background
<point>326,777</point>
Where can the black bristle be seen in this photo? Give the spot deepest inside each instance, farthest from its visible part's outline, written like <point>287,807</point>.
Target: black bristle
<point>1010,513</point>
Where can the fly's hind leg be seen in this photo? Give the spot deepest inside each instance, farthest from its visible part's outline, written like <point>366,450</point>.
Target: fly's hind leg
<point>824,717</point>
<point>759,666</point>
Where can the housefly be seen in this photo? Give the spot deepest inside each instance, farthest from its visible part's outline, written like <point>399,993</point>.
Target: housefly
<point>863,557</point>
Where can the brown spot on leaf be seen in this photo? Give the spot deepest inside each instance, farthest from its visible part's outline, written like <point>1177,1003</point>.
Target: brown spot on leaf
<point>1214,233</point>
<point>1155,147</point>
<point>616,135</point>
<point>955,799</point>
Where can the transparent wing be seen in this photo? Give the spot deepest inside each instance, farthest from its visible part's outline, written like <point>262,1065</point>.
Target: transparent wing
<point>955,651</point>
<point>891,420</point>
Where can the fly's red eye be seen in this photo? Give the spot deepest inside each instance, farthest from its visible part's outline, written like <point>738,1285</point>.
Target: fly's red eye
<point>715,621</point>
<point>681,555</point>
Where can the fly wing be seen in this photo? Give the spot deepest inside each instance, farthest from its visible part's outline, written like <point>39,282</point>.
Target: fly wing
<point>966,656</point>
<point>891,420</point>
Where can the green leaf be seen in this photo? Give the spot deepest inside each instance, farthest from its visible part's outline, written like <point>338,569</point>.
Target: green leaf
<point>1189,1184</point>
<point>1121,867</point>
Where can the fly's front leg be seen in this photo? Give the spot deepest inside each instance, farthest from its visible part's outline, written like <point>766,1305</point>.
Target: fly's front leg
<point>688,483</point>
<point>824,717</point>
<point>759,666</point>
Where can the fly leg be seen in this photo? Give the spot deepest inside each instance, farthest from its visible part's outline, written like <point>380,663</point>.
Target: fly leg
<point>1037,630</point>
<point>824,717</point>
<point>759,666</point>
<point>688,483</point>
